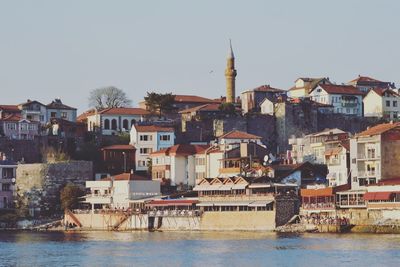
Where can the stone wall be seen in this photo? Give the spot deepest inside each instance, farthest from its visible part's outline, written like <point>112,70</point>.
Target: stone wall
<point>286,207</point>
<point>28,150</point>
<point>238,220</point>
<point>346,123</point>
<point>38,185</point>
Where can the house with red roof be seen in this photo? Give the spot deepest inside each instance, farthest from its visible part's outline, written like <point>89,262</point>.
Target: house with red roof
<point>304,85</point>
<point>121,191</point>
<point>365,83</point>
<point>148,139</point>
<point>346,99</point>
<point>382,103</point>
<point>118,159</point>
<point>177,165</point>
<point>112,121</point>
<point>15,127</point>
<point>374,155</point>
<point>6,110</point>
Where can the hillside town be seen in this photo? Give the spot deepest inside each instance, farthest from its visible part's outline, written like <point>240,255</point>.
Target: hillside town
<point>322,155</point>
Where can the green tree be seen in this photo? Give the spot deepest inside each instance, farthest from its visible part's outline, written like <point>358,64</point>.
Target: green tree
<point>159,103</point>
<point>228,108</point>
<point>70,196</point>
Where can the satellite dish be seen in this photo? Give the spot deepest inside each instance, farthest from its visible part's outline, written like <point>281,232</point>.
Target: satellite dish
<point>266,158</point>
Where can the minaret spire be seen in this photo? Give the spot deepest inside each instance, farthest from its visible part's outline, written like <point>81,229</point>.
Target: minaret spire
<point>230,75</point>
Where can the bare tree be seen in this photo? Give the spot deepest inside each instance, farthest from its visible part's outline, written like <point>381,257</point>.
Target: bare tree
<point>108,97</point>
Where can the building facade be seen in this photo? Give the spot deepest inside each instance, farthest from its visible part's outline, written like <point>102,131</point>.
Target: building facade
<point>382,103</point>
<point>148,139</point>
<point>7,182</point>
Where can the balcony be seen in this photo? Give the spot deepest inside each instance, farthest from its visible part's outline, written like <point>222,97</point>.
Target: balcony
<point>318,206</point>
<point>368,174</point>
<point>383,205</point>
<point>229,170</point>
<point>228,198</point>
<point>368,157</point>
<point>349,105</point>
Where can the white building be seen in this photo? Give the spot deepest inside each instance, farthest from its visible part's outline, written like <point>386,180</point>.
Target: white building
<point>111,121</point>
<point>303,86</point>
<point>337,160</point>
<point>178,164</point>
<point>148,139</point>
<point>345,99</point>
<point>382,103</point>
<point>374,155</point>
<point>120,191</point>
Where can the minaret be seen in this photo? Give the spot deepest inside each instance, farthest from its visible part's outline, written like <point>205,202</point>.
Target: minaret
<point>230,74</point>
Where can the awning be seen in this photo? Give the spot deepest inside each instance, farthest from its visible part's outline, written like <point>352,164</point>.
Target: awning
<point>239,186</point>
<point>218,204</point>
<point>260,203</point>
<point>259,185</point>
<point>378,195</point>
<point>171,202</point>
<point>201,188</point>
<point>225,187</point>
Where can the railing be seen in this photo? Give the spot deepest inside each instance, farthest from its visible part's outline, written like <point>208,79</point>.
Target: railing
<point>351,203</point>
<point>349,105</point>
<point>368,174</point>
<point>368,156</point>
<point>318,206</point>
<point>269,196</point>
<point>229,170</point>
<point>174,213</point>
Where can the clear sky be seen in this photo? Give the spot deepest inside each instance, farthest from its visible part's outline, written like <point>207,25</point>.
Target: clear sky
<point>64,49</point>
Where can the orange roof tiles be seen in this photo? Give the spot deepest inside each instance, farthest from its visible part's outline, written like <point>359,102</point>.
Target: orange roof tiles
<point>235,134</point>
<point>194,99</point>
<point>124,111</point>
<point>205,107</point>
<point>382,91</point>
<point>379,129</point>
<point>12,117</point>
<point>341,89</point>
<point>153,128</point>
<point>12,108</point>
<point>364,79</point>
<point>181,150</point>
<point>126,177</point>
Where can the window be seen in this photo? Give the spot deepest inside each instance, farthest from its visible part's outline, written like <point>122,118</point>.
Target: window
<point>145,150</point>
<point>107,124</point>
<point>41,117</point>
<point>11,126</point>
<point>142,163</point>
<point>394,103</point>
<point>395,115</point>
<point>165,137</point>
<point>53,114</point>
<point>133,122</point>
<point>125,124</point>
<point>32,127</point>
<point>347,110</point>
<point>200,161</point>
<point>114,124</point>
<point>64,115</point>
<point>387,103</point>
<point>5,187</point>
<point>23,126</point>
<point>145,137</point>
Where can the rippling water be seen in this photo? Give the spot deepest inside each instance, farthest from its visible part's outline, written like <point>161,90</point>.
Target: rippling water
<point>197,249</point>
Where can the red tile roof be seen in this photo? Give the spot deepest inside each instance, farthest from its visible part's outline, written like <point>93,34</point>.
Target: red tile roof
<point>12,108</point>
<point>119,147</point>
<point>341,89</point>
<point>126,177</point>
<point>379,129</point>
<point>57,104</point>
<point>86,114</point>
<point>153,128</point>
<point>382,91</point>
<point>268,88</point>
<point>173,202</point>
<point>124,111</point>
<point>194,99</point>
<point>12,117</point>
<point>181,150</point>
<point>205,107</point>
<point>391,181</point>
<point>235,134</point>
<point>364,79</point>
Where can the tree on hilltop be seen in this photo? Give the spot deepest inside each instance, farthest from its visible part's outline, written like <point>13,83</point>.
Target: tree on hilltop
<point>108,97</point>
<point>159,103</point>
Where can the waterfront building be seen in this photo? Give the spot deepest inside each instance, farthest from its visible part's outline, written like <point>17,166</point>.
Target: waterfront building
<point>177,164</point>
<point>385,195</point>
<point>303,86</point>
<point>118,158</point>
<point>312,147</point>
<point>346,99</point>
<point>112,121</point>
<point>374,154</point>
<point>148,139</point>
<point>382,103</point>
<point>7,182</point>
<point>120,191</point>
